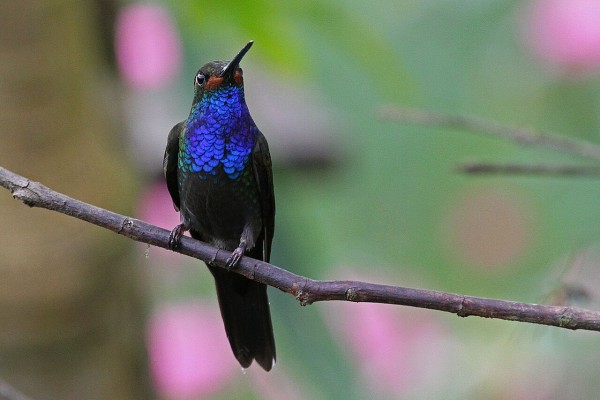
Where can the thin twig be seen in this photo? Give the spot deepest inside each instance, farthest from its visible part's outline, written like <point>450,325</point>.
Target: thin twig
<point>476,168</point>
<point>490,128</point>
<point>305,290</point>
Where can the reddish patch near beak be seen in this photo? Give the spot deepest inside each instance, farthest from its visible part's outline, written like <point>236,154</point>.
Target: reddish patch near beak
<point>213,82</point>
<point>238,78</point>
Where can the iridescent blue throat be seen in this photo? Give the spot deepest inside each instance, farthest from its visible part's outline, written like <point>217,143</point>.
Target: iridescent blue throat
<point>219,133</point>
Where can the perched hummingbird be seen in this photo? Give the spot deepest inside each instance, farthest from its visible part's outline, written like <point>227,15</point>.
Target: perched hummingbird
<point>218,171</point>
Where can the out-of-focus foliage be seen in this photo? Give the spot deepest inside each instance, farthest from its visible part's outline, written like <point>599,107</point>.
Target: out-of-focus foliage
<point>395,210</point>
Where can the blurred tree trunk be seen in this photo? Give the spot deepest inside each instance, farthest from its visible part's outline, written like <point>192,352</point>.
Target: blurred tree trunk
<point>70,312</point>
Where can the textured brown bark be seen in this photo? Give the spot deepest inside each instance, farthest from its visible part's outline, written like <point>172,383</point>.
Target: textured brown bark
<point>305,290</point>
<point>69,306</point>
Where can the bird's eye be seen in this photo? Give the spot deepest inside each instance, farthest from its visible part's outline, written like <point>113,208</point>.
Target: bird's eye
<point>199,80</point>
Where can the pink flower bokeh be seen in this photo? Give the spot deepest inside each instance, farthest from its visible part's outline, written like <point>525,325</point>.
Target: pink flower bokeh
<point>397,351</point>
<point>188,350</point>
<point>147,45</point>
<point>156,207</point>
<point>189,354</point>
<point>277,384</point>
<point>564,34</point>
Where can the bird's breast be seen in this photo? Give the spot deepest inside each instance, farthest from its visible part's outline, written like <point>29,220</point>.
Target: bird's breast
<point>206,147</point>
<point>218,190</point>
<point>219,207</point>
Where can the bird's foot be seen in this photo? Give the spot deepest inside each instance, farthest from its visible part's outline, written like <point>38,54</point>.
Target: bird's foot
<point>236,256</point>
<point>175,236</point>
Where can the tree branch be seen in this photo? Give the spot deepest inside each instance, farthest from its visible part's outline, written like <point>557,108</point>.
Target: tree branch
<point>549,140</point>
<point>579,171</point>
<point>305,290</point>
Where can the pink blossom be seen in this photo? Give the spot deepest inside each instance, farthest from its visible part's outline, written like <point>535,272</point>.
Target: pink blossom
<point>397,350</point>
<point>188,350</point>
<point>277,385</point>
<point>489,229</point>
<point>147,45</point>
<point>156,207</point>
<point>564,33</point>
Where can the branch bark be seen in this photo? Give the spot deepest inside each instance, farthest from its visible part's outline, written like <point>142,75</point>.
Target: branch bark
<point>576,171</point>
<point>481,126</point>
<point>305,290</point>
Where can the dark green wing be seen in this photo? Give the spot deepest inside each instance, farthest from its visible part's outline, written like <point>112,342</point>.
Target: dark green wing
<point>261,159</point>
<point>170,163</point>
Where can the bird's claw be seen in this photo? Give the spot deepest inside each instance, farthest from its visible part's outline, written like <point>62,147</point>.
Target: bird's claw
<point>235,258</point>
<point>175,236</point>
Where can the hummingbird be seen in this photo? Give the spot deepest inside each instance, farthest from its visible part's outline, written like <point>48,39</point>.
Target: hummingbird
<point>218,171</point>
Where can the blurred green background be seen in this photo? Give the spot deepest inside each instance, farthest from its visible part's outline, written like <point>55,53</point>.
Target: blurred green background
<point>382,201</point>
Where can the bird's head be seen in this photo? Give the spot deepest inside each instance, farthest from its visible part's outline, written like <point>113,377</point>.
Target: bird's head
<point>219,75</point>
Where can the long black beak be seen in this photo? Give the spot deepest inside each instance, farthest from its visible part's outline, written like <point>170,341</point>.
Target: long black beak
<point>233,64</point>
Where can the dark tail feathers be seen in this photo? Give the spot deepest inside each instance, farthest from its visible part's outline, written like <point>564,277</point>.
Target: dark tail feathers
<point>245,311</point>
